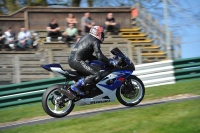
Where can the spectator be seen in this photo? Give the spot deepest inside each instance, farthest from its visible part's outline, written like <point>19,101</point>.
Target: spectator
<point>86,23</point>
<point>110,24</point>
<point>24,38</point>
<point>71,19</point>
<point>10,38</point>
<point>53,30</point>
<point>70,33</point>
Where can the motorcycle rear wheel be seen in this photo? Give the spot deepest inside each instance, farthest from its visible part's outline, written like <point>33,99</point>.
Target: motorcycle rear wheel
<point>134,96</point>
<point>54,104</point>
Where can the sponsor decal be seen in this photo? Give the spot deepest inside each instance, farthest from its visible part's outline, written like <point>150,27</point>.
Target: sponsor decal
<point>121,79</point>
<point>94,102</point>
<point>85,66</point>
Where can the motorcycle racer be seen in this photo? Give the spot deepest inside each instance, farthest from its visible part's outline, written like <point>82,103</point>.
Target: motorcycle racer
<point>84,49</point>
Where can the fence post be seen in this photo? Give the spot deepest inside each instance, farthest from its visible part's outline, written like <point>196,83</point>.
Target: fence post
<point>172,46</point>
<point>130,52</point>
<point>50,61</point>
<point>178,43</point>
<point>16,66</point>
<point>26,19</point>
<point>139,56</point>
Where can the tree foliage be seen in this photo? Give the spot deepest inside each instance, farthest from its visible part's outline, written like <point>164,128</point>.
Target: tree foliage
<point>37,3</point>
<point>90,3</point>
<point>9,6</point>
<point>76,3</point>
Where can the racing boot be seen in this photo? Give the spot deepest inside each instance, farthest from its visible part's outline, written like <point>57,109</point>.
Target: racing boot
<point>77,87</point>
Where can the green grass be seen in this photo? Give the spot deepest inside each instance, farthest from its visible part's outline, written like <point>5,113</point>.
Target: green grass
<point>33,110</point>
<point>189,87</point>
<point>180,117</point>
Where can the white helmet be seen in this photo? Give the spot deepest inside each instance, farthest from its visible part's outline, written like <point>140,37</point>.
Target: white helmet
<point>98,32</point>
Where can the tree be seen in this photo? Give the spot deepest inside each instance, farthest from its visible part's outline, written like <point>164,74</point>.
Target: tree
<point>37,3</point>
<point>9,6</point>
<point>76,3</point>
<point>90,3</point>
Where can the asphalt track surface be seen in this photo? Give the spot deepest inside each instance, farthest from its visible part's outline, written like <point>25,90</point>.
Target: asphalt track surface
<point>93,112</point>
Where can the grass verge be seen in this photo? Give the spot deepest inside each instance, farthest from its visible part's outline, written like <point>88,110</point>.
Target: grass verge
<point>180,117</point>
<point>34,110</point>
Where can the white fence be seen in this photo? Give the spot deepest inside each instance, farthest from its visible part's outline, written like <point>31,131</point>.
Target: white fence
<point>155,74</point>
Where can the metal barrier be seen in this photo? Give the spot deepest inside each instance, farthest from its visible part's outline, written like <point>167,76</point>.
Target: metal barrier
<point>155,74</point>
<point>152,74</point>
<point>27,92</point>
<point>187,69</point>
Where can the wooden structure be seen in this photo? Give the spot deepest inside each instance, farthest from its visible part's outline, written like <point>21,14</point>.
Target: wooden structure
<point>154,31</point>
<point>21,66</point>
<point>143,46</point>
<point>37,18</point>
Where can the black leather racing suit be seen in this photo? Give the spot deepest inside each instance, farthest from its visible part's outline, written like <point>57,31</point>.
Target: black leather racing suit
<point>83,51</point>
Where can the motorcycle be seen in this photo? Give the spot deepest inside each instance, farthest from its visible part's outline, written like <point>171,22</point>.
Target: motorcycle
<point>117,82</point>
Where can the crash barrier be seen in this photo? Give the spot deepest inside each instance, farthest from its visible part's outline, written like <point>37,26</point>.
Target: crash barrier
<point>186,69</point>
<point>152,74</point>
<point>27,92</point>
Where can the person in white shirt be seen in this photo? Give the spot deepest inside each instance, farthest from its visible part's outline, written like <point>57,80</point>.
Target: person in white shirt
<point>24,38</point>
<point>10,38</point>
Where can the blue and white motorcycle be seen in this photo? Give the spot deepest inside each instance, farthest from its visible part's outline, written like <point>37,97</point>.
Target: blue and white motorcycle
<point>116,82</point>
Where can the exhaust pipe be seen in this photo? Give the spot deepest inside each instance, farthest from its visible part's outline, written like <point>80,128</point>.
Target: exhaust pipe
<point>68,93</point>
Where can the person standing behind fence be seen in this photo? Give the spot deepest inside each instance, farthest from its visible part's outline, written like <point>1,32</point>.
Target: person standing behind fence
<point>86,23</point>
<point>111,25</point>
<point>53,30</point>
<point>24,38</point>
<point>70,33</point>
<point>71,19</point>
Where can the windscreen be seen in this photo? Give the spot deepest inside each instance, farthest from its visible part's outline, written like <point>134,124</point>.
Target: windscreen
<point>116,51</point>
<point>124,61</point>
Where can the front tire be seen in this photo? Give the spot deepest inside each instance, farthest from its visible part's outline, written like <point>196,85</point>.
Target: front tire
<point>54,104</point>
<point>131,96</point>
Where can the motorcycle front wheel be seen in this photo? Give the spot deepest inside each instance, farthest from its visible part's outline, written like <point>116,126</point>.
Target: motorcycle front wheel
<point>131,92</point>
<point>55,103</point>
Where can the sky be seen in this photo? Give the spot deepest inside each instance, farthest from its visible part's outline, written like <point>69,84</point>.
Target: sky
<point>189,30</point>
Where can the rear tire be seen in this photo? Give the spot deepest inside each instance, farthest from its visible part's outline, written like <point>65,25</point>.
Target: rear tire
<point>140,94</point>
<point>46,106</point>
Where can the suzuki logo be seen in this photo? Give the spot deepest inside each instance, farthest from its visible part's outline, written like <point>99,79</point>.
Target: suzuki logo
<point>94,102</point>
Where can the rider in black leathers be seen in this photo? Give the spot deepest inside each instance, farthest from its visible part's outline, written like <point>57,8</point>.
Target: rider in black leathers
<point>84,49</point>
